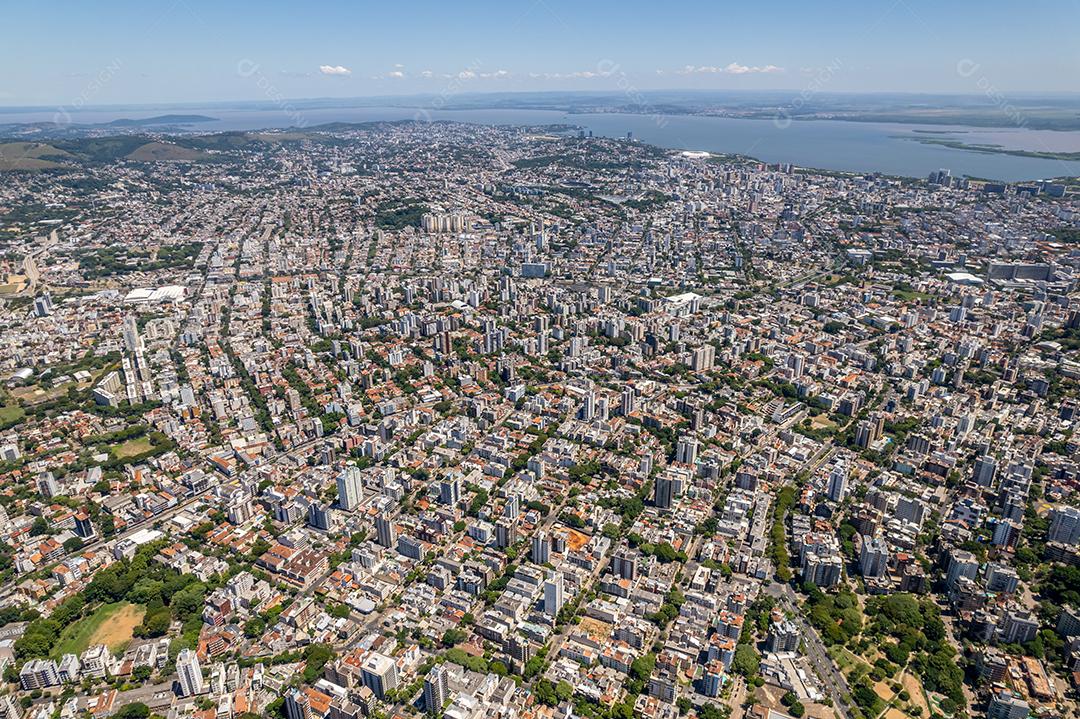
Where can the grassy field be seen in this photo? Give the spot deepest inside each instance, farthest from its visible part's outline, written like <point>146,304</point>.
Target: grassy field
<point>110,624</point>
<point>132,447</point>
<point>10,414</point>
<point>911,295</point>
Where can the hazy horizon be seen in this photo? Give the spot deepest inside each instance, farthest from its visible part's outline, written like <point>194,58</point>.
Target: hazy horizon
<point>978,98</point>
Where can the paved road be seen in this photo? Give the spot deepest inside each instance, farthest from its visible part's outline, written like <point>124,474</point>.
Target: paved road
<point>834,681</point>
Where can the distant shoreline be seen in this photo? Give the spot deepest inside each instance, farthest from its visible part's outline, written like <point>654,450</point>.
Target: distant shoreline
<point>991,149</point>
<point>1053,111</point>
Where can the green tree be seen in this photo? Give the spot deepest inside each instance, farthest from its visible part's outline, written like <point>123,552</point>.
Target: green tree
<point>254,628</point>
<point>746,662</point>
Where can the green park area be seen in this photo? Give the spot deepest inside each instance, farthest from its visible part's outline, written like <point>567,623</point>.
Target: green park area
<point>110,624</point>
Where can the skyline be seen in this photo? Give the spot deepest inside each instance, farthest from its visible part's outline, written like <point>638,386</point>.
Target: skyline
<point>192,52</point>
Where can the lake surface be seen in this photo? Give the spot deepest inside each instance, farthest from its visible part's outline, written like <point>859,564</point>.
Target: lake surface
<point>827,144</point>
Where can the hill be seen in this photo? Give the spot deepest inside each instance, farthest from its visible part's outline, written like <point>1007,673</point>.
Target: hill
<point>161,120</point>
<point>166,152</point>
<point>29,156</point>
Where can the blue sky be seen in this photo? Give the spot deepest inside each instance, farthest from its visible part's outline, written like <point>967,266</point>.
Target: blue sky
<point>86,53</point>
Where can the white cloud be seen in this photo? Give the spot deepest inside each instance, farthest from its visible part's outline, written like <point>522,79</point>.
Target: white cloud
<point>578,75</point>
<point>732,68</point>
<point>334,70</point>
<point>395,74</point>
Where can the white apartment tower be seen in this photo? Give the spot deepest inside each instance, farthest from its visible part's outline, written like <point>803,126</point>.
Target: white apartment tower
<point>187,667</point>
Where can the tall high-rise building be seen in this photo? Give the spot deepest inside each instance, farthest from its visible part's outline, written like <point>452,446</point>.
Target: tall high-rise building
<point>321,516</point>
<point>189,672</point>
<point>9,709</point>
<point>870,430</point>
<point>132,340</point>
<point>667,487</point>
<point>624,564</point>
<point>436,689</point>
<point>38,674</point>
<point>506,533</point>
<point>629,401</point>
<point>795,363</point>
<point>838,483</point>
<point>386,532</point>
<point>298,703</point>
<point>1005,705</point>
<point>703,358</point>
<point>588,406</point>
<point>984,470</point>
<point>450,491</point>
<point>43,306</point>
<point>541,548</point>
<point>783,636</point>
<point>379,673</point>
<point>687,450</point>
<point>350,486</point>
<point>512,508</point>
<point>911,509</point>
<point>1064,525</point>
<point>961,564</point>
<point>874,558</point>
<point>553,594</point>
<point>862,434</point>
<point>520,650</point>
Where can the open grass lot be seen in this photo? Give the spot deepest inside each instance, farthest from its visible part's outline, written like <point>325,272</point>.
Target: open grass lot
<point>110,624</point>
<point>10,413</point>
<point>911,295</point>
<point>132,447</point>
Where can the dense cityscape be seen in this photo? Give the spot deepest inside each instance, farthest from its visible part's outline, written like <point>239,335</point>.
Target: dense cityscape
<point>470,421</point>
